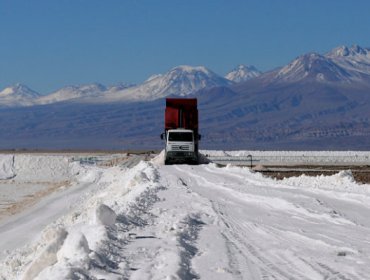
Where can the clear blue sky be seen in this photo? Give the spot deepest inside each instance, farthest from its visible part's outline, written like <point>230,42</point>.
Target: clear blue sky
<point>47,44</point>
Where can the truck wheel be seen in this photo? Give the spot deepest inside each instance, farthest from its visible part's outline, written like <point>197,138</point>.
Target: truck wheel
<point>166,162</point>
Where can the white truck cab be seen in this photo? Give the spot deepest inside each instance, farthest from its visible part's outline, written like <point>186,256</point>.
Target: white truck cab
<point>180,146</point>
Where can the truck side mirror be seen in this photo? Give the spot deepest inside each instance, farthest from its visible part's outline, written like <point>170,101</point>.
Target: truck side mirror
<point>162,136</point>
<point>199,137</point>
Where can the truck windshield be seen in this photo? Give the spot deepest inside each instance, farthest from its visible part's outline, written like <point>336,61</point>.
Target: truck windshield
<point>180,136</point>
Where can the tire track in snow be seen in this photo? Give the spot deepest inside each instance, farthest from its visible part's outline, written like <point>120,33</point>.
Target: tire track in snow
<point>162,232</point>
<point>187,240</point>
<point>259,267</point>
<point>208,179</point>
<point>238,236</point>
<point>330,206</point>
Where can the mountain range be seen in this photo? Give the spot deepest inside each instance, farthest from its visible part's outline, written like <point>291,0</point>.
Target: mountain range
<point>315,102</point>
<point>180,81</point>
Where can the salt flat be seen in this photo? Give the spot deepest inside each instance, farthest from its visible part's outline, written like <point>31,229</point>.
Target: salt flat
<point>151,221</point>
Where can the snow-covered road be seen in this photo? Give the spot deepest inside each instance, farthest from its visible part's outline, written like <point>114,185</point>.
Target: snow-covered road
<point>281,230</point>
<point>184,222</point>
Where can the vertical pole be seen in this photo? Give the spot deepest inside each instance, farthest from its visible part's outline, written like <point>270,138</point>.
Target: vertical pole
<point>250,156</point>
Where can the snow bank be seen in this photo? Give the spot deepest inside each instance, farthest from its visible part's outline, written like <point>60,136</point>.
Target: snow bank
<point>35,168</point>
<point>27,179</point>
<point>341,182</point>
<point>287,153</point>
<point>296,157</point>
<point>74,246</point>
<point>159,159</point>
<point>41,168</point>
<point>6,167</point>
<point>104,215</point>
<point>48,256</point>
<point>75,250</point>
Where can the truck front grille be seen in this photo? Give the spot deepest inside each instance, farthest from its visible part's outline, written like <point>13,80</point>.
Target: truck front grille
<point>180,148</point>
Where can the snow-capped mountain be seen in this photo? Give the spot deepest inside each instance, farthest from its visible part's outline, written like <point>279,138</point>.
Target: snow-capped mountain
<point>342,64</point>
<point>180,81</point>
<point>312,66</point>
<point>243,73</point>
<point>350,52</point>
<point>73,92</point>
<point>356,60</point>
<point>18,94</point>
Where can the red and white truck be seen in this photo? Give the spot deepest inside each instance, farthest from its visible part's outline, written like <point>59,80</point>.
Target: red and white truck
<point>181,131</point>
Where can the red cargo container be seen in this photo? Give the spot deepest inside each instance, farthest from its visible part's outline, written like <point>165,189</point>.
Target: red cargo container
<point>181,113</point>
